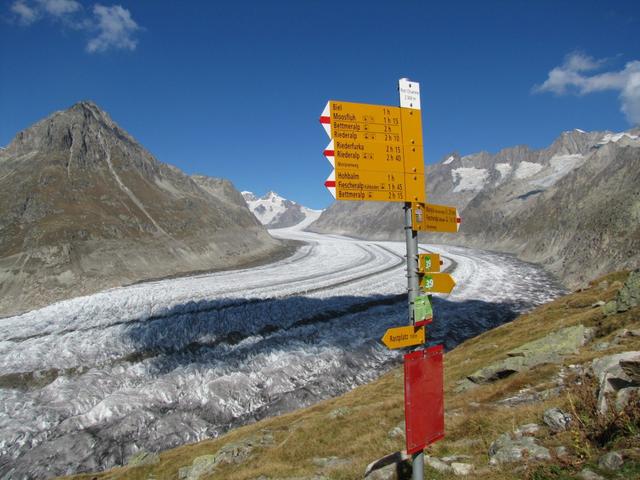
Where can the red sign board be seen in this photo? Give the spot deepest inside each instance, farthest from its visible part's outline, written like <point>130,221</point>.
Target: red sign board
<point>423,398</point>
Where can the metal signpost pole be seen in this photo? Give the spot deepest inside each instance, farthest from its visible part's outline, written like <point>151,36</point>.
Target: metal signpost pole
<point>376,152</point>
<point>411,98</point>
<point>411,237</point>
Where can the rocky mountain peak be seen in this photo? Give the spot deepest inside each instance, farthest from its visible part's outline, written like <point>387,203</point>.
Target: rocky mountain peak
<point>81,200</point>
<point>274,211</point>
<point>84,124</point>
<point>574,142</point>
<point>273,196</point>
<point>87,113</point>
<point>452,158</point>
<point>249,196</point>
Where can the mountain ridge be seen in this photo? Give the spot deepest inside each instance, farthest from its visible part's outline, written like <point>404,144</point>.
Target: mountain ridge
<point>89,208</point>
<point>499,194</point>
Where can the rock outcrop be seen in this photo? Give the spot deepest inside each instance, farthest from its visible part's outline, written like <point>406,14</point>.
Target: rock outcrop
<point>619,376</point>
<point>515,448</point>
<point>548,349</point>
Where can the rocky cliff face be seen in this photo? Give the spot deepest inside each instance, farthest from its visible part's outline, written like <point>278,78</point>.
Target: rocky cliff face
<point>573,207</point>
<point>85,207</point>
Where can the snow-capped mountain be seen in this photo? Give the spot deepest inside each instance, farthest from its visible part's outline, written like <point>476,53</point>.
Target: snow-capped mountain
<point>571,206</point>
<point>274,211</point>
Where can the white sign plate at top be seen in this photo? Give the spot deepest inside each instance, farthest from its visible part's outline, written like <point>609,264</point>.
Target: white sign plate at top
<point>409,93</point>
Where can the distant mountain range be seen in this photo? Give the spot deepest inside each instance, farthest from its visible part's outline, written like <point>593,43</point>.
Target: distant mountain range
<point>85,207</point>
<point>573,207</point>
<point>274,211</point>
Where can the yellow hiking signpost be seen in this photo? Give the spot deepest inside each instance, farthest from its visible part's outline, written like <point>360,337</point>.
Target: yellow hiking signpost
<point>428,217</point>
<point>400,337</point>
<point>376,153</point>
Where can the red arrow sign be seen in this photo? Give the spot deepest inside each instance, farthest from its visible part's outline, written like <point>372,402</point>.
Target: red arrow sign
<point>330,153</point>
<point>330,183</point>
<point>325,119</point>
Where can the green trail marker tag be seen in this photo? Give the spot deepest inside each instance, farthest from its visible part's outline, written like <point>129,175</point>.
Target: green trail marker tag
<point>422,309</point>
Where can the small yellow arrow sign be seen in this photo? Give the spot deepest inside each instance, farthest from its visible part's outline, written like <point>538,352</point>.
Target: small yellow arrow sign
<point>428,262</point>
<point>400,337</point>
<point>437,282</point>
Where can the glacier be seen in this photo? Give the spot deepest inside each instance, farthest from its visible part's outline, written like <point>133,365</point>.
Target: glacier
<point>88,382</point>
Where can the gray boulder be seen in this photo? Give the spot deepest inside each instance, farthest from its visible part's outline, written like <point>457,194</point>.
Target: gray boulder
<point>508,449</point>
<point>561,451</point>
<point>528,429</point>
<point>529,395</point>
<point>397,431</point>
<point>611,461</point>
<point>548,349</point>
<point>388,472</point>
<point>562,342</point>
<point>450,459</point>
<point>394,466</point>
<point>498,370</point>
<point>629,295</point>
<point>231,453</point>
<point>610,308</point>
<point>464,385</point>
<point>202,466</point>
<point>556,419</point>
<point>437,464</point>
<point>602,346</point>
<point>586,474</point>
<point>624,395</point>
<point>615,373</point>
<point>462,469</point>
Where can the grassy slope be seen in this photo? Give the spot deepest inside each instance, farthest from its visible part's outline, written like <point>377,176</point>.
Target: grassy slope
<point>356,425</point>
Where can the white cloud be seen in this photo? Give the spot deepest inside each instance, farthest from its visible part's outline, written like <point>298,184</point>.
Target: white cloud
<point>59,8</point>
<point>110,27</point>
<point>116,29</point>
<point>576,75</point>
<point>25,14</point>
<point>579,62</point>
<point>631,96</point>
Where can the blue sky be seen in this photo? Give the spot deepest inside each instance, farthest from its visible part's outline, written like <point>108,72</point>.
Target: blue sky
<point>235,89</point>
